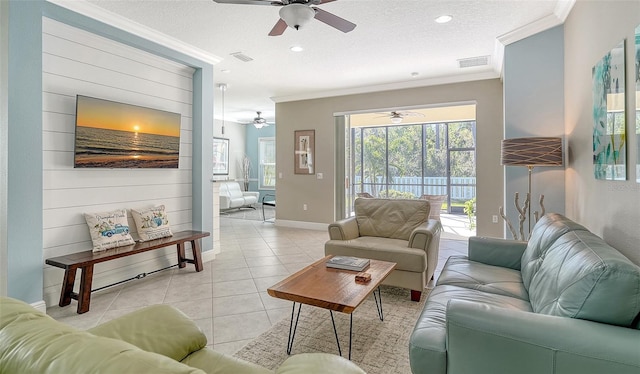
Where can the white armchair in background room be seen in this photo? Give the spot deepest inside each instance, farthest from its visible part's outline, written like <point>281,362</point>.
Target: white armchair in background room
<point>232,197</point>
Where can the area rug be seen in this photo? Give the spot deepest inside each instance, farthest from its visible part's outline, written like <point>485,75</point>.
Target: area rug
<point>377,346</point>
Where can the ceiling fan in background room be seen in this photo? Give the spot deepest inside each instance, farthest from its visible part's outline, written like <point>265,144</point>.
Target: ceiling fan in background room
<point>296,13</point>
<point>260,122</point>
<point>397,117</point>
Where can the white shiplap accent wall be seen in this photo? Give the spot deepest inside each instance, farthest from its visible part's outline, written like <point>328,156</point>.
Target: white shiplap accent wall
<point>78,62</point>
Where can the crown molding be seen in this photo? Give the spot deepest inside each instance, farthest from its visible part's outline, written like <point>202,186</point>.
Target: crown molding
<point>100,14</point>
<point>390,86</point>
<point>560,14</point>
<point>563,8</point>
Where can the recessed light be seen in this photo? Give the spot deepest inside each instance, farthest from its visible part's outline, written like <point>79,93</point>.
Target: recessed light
<point>296,48</point>
<point>226,71</point>
<point>414,74</point>
<point>444,19</point>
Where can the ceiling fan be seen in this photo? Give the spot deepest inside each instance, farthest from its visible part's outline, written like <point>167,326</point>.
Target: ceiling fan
<point>296,13</point>
<point>398,116</point>
<point>259,122</point>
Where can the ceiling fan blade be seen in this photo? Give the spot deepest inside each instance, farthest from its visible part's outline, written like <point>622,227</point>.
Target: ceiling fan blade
<point>249,2</point>
<point>333,20</point>
<point>279,28</point>
<point>325,1</point>
<point>411,114</point>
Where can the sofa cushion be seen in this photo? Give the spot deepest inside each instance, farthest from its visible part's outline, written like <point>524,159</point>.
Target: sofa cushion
<point>390,218</point>
<point>580,276</point>
<point>212,362</point>
<point>33,342</point>
<point>383,249</point>
<point>546,231</point>
<point>427,345</point>
<point>462,272</point>
<point>318,363</point>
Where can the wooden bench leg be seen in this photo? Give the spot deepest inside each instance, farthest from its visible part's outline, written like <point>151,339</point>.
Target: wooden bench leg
<point>197,256</point>
<point>67,286</point>
<point>181,256</point>
<point>84,297</point>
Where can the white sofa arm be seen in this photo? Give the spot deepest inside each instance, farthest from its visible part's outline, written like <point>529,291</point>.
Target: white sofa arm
<point>225,202</point>
<point>251,194</point>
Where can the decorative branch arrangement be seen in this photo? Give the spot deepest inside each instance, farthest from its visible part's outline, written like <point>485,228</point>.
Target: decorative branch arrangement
<point>246,171</point>
<point>522,217</point>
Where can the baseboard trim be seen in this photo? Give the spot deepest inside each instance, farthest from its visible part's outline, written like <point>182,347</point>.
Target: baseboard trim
<point>40,305</point>
<point>302,225</point>
<point>208,256</point>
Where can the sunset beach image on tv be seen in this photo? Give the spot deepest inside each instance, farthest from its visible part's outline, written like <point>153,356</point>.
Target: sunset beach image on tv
<point>116,135</point>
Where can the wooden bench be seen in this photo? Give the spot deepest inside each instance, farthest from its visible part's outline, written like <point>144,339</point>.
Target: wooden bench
<point>85,261</point>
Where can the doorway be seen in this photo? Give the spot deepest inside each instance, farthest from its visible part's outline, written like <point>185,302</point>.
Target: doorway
<point>431,152</point>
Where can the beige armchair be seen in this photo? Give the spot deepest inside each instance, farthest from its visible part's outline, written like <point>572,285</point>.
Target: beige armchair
<point>395,230</point>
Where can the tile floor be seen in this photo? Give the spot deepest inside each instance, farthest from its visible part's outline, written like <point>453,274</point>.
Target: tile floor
<point>228,300</point>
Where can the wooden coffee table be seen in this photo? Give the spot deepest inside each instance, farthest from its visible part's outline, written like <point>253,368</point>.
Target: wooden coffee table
<point>332,289</point>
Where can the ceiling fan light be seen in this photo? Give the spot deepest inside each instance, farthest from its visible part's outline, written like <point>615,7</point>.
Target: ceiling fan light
<point>396,120</point>
<point>296,15</point>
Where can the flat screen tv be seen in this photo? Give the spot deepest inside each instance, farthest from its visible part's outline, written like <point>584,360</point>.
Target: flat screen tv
<point>117,135</point>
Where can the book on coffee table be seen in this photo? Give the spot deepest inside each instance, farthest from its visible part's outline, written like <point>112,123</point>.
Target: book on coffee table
<point>347,263</point>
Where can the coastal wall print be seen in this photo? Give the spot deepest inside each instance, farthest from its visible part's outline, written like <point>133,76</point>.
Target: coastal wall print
<point>609,138</point>
<point>637,63</point>
<point>110,134</point>
<point>304,151</point>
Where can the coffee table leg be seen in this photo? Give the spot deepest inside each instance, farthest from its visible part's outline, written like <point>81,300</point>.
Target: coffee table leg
<point>292,327</point>
<point>336,332</point>
<point>378,303</point>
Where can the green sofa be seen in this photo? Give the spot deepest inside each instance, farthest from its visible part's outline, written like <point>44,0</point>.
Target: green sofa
<point>157,339</point>
<point>563,303</point>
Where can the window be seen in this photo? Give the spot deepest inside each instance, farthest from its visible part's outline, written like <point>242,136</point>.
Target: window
<point>407,161</point>
<point>267,157</point>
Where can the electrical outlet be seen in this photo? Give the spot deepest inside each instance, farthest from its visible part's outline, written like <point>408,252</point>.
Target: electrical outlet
<point>319,176</point>
<point>280,175</point>
<point>494,218</point>
<point>304,206</point>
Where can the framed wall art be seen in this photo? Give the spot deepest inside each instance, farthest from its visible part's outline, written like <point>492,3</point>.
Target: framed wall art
<point>304,153</point>
<point>220,156</point>
<point>609,137</point>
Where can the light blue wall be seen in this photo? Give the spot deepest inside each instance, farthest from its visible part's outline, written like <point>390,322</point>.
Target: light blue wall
<point>251,146</point>
<point>24,190</point>
<point>534,106</point>
<point>24,178</point>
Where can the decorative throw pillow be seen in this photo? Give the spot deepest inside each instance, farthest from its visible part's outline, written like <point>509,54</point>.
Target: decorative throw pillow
<point>109,229</point>
<point>152,223</point>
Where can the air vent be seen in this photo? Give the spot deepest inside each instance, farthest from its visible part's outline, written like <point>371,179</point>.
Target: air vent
<point>473,61</point>
<point>242,57</point>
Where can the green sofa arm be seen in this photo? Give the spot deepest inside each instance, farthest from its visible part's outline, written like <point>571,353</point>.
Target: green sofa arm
<point>345,229</point>
<point>160,329</point>
<point>487,339</point>
<point>496,252</point>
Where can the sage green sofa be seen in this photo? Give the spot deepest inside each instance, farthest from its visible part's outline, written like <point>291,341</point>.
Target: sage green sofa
<point>395,230</point>
<point>157,339</point>
<point>563,303</point>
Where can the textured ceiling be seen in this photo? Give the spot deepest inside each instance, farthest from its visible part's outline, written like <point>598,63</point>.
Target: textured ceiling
<point>392,40</point>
